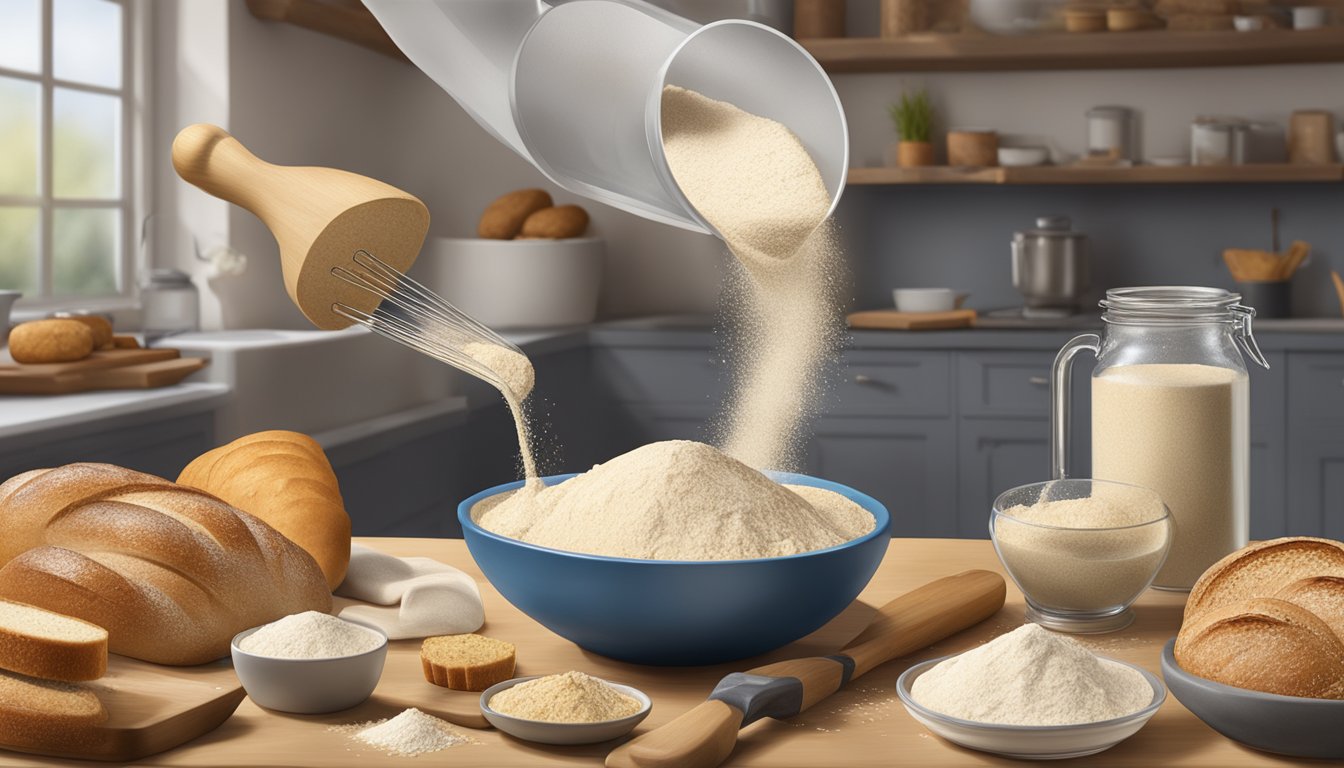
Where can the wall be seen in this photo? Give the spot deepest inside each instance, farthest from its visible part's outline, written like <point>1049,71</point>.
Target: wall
<point>302,98</point>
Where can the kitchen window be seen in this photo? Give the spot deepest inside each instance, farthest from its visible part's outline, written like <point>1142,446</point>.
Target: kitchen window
<point>68,173</point>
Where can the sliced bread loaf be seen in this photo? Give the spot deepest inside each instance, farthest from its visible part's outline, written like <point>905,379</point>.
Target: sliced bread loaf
<point>1264,644</point>
<point>41,643</point>
<point>34,712</point>
<point>1262,570</point>
<point>467,662</point>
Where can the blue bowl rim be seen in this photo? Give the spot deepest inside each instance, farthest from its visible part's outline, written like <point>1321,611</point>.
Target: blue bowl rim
<point>1223,689</point>
<point>905,684</point>
<point>881,519</point>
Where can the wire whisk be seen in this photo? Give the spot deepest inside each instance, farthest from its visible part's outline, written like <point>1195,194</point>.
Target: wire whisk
<point>416,317</point>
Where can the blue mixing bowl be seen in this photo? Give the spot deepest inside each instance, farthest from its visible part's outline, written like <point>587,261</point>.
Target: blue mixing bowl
<point>678,612</point>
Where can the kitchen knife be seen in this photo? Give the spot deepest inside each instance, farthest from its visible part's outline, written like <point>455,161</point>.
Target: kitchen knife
<point>706,735</point>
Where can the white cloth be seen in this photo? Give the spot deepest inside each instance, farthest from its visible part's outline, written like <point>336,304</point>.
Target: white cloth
<point>412,596</point>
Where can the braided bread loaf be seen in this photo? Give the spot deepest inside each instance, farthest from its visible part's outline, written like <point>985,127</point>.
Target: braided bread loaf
<point>172,573</point>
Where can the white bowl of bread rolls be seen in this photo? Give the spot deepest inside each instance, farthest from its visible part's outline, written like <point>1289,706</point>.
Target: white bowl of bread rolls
<point>1260,654</point>
<point>532,266</point>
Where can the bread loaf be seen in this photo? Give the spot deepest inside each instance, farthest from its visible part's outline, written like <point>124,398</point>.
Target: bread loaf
<point>172,573</point>
<point>1322,595</point>
<point>283,478</point>
<point>1262,570</point>
<point>50,341</point>
<point>503,219</point>
<point>99,326</point>
<point>556,223</point>
<point>1264,644</point>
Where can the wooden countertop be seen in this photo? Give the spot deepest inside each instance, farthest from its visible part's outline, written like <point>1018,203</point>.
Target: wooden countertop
<point>863,725</point>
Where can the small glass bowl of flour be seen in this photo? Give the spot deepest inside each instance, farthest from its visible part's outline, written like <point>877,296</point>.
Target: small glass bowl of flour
<point>309,663</point>
<point>1081,551</point>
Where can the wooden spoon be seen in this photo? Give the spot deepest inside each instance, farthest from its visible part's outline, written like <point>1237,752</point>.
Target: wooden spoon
<point>319,217</point>
<point>1339,289</point>
<point>706,735</point>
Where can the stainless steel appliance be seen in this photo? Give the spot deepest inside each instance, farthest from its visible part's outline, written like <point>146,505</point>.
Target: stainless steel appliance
<point>1050,265</point>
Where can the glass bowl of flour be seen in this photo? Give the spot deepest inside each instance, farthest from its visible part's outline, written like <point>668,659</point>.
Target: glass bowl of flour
<point>1081,550</point>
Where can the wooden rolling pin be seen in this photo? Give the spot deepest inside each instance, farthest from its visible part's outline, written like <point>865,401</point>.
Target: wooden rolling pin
<point>706,735</point>
<point>319,217</point>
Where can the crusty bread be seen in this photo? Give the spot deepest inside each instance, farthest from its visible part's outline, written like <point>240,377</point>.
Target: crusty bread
<point>503,219</point>
<point>37,642</point>
<point>556,223</point>
<point>467,662</point>
<point>50,341</point>
<point>283,478</point>
<point>1266,645</point>
<point>172,573</point>
<point>34,713</point>
<point>99,326</point>
<point>1322,595</point>
<point>1262,570</point>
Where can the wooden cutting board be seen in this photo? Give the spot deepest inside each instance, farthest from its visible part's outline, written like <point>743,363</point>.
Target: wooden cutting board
<point>895,320</point>
<point>151,708</point>
<point>109,369</point>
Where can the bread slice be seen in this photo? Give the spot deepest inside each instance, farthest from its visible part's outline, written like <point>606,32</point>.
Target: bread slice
<point>1264,644</point>
<point>41,643</point>
<point>1322,595</point>
<point>35,712</point>
<point>467,662</point>
<point>1262,570</point>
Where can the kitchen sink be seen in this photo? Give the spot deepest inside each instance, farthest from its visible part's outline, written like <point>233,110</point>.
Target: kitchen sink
<point>312,381</point>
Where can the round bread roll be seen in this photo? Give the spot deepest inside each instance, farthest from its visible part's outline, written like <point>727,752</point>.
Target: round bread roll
<point>503,219</point>
<point>50,341</point>
<point>1262,570</point>
<point>556,223</point>
<point>100,326</point>
<point>1264,644</point>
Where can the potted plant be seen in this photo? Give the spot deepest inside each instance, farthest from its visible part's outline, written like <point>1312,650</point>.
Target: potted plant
<point>913,119</point>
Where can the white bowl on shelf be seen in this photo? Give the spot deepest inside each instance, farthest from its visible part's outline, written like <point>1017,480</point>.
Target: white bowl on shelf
<point>511,284</point>
<point>1018,157</point>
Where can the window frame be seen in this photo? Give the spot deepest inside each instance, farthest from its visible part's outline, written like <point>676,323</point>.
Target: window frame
<point>131,195</point>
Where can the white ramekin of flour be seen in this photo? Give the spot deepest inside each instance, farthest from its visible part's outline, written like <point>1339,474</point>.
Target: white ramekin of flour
<point>1081,551</point>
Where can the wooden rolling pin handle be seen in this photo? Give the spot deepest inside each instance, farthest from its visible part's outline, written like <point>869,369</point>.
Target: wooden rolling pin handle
<point>207,157</point>
<point>711,726</point>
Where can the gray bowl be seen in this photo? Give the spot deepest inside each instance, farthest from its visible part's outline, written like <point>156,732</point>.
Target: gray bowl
<point>309,686</point>
<point>1285,725</point>
<point>564,733</point>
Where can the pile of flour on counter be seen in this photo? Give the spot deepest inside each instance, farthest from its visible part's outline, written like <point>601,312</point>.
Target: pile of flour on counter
<point>755,182</point>
<point>676,500</point>
<point>1032,676</point>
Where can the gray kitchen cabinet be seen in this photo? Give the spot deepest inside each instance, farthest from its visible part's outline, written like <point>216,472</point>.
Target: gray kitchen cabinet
<point>1269,416</point>
<point>994,455</point>
<point>157,446</point>
<point>904,463</point>
<point>1315,476</point>
<point>891,383</point>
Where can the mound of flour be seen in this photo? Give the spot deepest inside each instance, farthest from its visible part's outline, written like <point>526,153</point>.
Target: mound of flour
<point>676,500</point>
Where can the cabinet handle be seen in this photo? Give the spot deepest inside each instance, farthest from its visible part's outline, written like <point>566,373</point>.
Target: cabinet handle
<point>1039,381</point>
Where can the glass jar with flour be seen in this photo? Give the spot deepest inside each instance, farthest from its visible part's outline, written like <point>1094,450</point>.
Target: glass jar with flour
<point>1171,412</point>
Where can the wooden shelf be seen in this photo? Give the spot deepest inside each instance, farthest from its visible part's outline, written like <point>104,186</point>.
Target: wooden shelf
<point>1103,50</point>
<point>1144,174</point>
